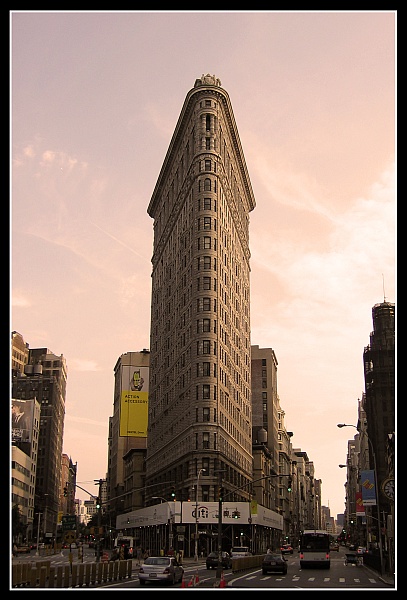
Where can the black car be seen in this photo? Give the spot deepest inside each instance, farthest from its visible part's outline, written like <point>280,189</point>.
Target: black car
<point>274,563</point>
<point>212,560</point>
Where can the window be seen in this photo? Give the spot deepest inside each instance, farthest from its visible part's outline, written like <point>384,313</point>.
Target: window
<point>206,347</point>
<point>207,203</point>
<point>206,324</point>
<point>207,242</point>
<point>207,262</point>
<point>206,369</point>
<point>206,392</point>
<point>208,165</point>
<point>206,283</point>
<point>206,303</point>
<point>207,223</point>
<point>205,440</point>
<point>207,185</point>
<point>208,143</point>
<point>206,413</point>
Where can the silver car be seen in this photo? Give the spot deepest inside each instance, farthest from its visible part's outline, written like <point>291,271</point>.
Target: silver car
<point>160,568</point>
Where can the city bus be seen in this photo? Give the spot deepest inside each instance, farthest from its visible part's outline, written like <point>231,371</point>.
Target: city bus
<point>314,549</point>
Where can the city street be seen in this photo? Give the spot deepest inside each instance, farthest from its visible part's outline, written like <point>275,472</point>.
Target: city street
<point>338,576</point>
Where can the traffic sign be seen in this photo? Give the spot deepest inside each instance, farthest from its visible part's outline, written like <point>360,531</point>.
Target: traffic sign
<point>70,536</point>
<point>68,522</point>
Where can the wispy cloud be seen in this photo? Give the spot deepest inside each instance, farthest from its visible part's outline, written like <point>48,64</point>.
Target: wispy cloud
<point>83,365</point>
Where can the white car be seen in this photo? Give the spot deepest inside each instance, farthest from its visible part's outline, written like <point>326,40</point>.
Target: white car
<point>240,551</point>
<point>160,568</point>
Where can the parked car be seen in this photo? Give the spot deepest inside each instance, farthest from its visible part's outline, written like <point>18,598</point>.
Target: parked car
<point>160,568</point>
<point>360,550</point>
<point>286,549</point>
<point>335,547</point>
<point>23,549</point>
<point>274,563</point>
<point>212,560</point>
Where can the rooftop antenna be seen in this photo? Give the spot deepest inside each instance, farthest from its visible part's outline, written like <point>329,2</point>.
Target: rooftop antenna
<point>384,293</point>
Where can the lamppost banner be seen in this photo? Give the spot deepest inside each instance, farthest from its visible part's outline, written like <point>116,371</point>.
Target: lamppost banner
<point>368,488</point>
<point>360,509</point>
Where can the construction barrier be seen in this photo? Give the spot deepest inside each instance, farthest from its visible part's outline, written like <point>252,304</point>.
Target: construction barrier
<point>42,574</point>
<point>246,562</point>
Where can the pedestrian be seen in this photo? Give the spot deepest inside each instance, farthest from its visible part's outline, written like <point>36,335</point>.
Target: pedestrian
<point>14,550</point>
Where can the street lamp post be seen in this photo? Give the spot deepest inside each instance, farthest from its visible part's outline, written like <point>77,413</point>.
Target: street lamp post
<point>170,536</point>
<point>196,514</point>
<point>38,534</point>
<point>220,499</point>
<point>340,425</point>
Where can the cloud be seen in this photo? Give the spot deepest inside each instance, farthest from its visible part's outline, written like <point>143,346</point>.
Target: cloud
<point>83,365</point>
<point>85,421</point>
<point>19,300</point>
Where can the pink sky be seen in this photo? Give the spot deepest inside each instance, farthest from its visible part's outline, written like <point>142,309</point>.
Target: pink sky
<point>95,99</point>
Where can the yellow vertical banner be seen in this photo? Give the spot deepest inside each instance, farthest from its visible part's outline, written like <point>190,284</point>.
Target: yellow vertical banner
<point>134,402</point>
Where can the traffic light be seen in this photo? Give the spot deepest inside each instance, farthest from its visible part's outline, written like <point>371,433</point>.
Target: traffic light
<point>173,493</point>
<point>290,483</point>
<point>236,514</point>
<point>98,502</point>
<point>221,493</point>
<point>65,491</point>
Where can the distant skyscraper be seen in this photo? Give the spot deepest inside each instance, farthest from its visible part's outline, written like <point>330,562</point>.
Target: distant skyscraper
<point>200,418</point>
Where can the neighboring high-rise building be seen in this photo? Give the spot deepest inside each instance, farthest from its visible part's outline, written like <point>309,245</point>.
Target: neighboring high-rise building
<point>19,353</point>
<point>265,402</point>
<point>128,430</point>
<point>379,401</point>
<point>24,456</point>
<point>200,416</point>
<point>44,379</point>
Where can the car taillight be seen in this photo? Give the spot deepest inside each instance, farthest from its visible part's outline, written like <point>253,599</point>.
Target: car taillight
<point>327,555</point>
<point>301,555</point>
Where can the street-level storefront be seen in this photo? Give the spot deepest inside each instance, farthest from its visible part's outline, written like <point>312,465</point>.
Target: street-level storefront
<point>174,524</point>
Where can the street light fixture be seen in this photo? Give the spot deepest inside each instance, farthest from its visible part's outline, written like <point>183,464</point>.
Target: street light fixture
<point>340,425</point>
<point>196,514</point>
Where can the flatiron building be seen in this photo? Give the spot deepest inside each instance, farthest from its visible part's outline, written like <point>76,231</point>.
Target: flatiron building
<point>200,414</point>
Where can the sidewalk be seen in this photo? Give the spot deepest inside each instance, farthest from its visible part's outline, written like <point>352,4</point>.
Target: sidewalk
<point>388,579</point>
